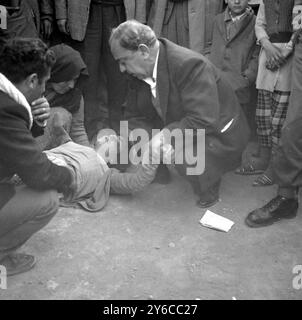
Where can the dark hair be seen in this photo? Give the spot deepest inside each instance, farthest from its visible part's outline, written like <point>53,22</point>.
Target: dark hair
<point>21,57</point>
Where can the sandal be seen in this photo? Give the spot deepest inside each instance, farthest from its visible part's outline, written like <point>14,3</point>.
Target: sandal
<point>263,181</point>
<point>248,169</point>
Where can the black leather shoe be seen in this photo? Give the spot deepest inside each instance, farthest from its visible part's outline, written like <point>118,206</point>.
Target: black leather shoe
<point>277,209</point>
<point>209,198</point>
<point>206,203</point>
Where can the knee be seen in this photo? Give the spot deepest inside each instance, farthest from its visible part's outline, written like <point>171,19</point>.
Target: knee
<point>49,207</point>
<point>64,115</point>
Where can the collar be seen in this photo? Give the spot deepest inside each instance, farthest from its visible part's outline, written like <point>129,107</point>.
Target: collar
<point>11,90</point>
<point>151,81</point>
<point>228,16</point>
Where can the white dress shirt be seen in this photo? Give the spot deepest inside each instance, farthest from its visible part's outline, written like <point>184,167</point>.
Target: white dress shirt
<point>152,82</point>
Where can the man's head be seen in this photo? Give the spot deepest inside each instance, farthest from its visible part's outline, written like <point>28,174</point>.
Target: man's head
<point>134,46</point>
<point>237,7</point>
<point>26,63</point>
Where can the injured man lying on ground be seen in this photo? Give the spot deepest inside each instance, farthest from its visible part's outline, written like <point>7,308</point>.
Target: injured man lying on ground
<point>94,180</point>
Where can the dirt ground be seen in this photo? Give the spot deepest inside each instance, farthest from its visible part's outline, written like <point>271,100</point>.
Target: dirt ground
<point>152,246</point>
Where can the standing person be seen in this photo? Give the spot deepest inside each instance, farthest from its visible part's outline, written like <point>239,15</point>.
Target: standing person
<point>234,50</point>
<point>20,20</point>
<point>176,88</point>
<point>47,16</point>
<point>89,24</point>
<point>287,161</point>
<point>274,31</point>
<point>188,23</point>
<point>24,69</point>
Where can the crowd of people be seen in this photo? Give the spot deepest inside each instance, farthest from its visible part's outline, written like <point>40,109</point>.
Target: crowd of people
<point>71,73</point>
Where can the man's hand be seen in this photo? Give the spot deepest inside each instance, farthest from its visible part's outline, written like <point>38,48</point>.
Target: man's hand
<point>159,151</point>
<point>47,28</point>
<point>273,54</point>
<point>40,110</point>
<point>63,26</point>
<point>273,65</point>
<point>297,17</point>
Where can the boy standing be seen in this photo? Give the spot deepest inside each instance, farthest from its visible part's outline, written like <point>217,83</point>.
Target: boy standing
<point>234,50</point>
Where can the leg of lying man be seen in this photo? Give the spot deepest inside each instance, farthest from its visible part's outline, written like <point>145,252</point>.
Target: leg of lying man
<point>25,213</point>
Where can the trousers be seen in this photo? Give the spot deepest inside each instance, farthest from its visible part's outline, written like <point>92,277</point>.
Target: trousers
<point>99,60</point>
<point>23,215</point>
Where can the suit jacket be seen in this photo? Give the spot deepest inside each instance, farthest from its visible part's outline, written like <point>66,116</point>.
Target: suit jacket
<point>47,9</point>
<point>19,154</point>
<point>77,14</point>
<point>193,95</point>
<point>22,22</point>
<point>201,15</point>
<point>236,57</point>
<point>33,4</point>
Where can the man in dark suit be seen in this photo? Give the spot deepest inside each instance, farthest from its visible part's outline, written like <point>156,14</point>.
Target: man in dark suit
<point>24,209</point>
<point>176,88</point>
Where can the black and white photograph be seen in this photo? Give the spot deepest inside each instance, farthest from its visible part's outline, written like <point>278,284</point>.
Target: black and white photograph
<point>150,150</point>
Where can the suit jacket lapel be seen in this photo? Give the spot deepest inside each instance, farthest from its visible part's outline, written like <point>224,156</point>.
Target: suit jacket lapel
<point>163,80</point>
<point>241,26</point>
<point>222,27</point>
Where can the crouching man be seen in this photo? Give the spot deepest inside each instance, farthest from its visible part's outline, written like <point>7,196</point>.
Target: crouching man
<point>172,87</point>
<point>24,69</point>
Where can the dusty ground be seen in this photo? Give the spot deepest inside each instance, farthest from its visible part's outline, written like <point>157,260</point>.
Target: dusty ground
<point>151,246</point>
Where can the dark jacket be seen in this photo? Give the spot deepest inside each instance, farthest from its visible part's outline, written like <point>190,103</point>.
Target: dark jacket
<point>193,95</point>
<point>19,153</point>
<point>21,23</point>
<point>236,57</point>
<point>77,14</point>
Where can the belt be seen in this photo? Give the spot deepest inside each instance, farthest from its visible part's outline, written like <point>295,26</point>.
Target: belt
<point>108,3</point>
<point>281,37</point>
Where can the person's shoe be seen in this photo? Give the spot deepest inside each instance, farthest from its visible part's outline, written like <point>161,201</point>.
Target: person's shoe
<point>210,197</point>
<point>16,263</point>
<point>206,203</point>
<point>163,175</point>
<point>278,208</point>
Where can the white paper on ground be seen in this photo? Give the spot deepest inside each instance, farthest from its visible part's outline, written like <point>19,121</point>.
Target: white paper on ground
<point>215,221</point>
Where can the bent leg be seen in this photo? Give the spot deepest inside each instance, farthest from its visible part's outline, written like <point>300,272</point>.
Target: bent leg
<point>23,215</point>
<point>49,139</point>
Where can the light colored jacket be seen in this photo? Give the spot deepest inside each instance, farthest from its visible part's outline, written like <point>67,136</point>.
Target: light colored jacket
<point>201,15</point>
<point>77,14</point>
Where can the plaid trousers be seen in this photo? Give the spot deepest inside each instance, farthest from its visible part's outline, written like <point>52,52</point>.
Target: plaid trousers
<point>270,116</point>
